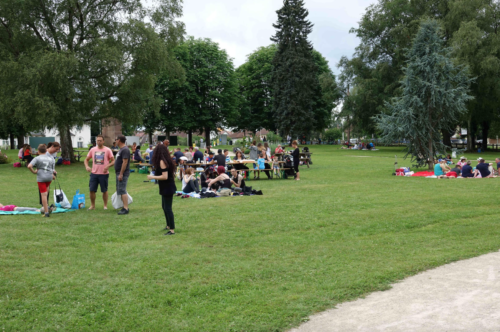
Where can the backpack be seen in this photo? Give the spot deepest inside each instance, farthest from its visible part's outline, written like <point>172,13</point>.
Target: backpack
<point>17,164</point>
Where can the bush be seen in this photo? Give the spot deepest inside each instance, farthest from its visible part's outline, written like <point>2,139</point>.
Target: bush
<point>247,151</point>
<point>4,159</point>
<point>332,134</point>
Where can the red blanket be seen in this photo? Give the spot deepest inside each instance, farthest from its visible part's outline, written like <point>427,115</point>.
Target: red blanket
<point>424,173</point>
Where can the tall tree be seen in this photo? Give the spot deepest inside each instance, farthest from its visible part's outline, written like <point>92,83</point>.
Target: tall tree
<point>435,93</point>
<point>298,106</point>
<point>206,99</point>
<point>256,90</point>
<point>73,61</point>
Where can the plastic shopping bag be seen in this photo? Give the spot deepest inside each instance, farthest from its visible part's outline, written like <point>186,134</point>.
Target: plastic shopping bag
<point>78,201</point>
<point>117,202</point>
<point>61,200</point>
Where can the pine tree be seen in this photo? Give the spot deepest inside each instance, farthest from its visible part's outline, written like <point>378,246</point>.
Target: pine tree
<point>435,93</point>
<point>296,91</point>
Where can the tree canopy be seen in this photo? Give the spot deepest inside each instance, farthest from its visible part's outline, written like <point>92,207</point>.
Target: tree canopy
<point>386,31</point>
<point>256,89</point>
<point>435,93</point>
<point>63,63</point>
<point>207,98</point>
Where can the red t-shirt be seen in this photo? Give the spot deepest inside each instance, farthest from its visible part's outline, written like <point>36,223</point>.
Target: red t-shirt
<point>100,159</point>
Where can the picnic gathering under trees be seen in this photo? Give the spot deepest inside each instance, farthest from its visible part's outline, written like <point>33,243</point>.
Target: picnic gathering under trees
<point>424,75</point>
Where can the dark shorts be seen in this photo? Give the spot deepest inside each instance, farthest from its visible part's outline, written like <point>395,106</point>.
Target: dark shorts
<point>121,186</point>
<point>100,180</point>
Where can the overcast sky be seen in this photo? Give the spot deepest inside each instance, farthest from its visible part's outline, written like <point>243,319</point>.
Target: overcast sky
<point>242,26</point>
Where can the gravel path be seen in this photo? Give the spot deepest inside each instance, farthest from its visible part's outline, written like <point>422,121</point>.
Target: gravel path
<point>461,296</point>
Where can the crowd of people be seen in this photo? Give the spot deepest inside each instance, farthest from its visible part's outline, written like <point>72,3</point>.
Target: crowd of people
<point>221,172</point>
<point>445,168</point>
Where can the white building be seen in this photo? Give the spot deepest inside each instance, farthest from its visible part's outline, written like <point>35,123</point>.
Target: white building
<point>80,136</point>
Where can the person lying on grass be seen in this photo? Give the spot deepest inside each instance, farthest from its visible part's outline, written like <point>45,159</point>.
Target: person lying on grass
<point>10,208</point>
<point>483,169</point>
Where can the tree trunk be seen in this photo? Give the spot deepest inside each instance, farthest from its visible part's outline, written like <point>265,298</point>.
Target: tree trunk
<point>431,155</point>
<point>470,136</point>
<point>446,137</point>
<point>486,129</point>
<point>12,144</point>
<point>20,141</point>
<point>66,144</point>
<point>150,138</point>
<point>348,131</point>
<point>190,138</point>
<point>207,135</point>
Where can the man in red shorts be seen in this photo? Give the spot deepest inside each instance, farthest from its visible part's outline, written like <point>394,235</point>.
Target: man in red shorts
<point>45,165</point>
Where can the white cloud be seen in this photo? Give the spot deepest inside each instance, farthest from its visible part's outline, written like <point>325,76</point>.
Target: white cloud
<point>242,26</point>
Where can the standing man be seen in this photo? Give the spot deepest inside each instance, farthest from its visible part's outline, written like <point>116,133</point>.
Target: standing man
<point>122,169</point>
<point>102,160</point>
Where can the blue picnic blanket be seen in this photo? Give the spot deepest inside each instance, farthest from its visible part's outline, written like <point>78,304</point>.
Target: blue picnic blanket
<point>58,210</point>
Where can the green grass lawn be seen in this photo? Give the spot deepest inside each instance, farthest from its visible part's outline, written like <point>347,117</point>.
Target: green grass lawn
<point>260,263</point>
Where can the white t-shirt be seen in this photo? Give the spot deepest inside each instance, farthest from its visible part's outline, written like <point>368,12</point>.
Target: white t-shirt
<point>148,150</point>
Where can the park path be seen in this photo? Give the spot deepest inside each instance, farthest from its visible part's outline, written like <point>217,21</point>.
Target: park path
<point>461,296</point>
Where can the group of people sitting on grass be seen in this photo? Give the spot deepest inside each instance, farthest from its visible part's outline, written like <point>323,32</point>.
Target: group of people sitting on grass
<point>463,169</point>
<point>360,145</point>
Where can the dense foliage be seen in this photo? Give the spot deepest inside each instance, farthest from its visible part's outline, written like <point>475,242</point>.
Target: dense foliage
<point>386,31</point>
<point>256,90</point>
<point>206,98</point>
<point>435,92</point>
<point>64,62</point>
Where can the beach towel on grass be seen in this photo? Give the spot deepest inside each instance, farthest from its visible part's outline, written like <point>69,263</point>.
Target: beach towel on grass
<point>58,210</point>
<point>424,173</point>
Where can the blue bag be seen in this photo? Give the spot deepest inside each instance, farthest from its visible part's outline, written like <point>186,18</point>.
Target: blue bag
<point>78,201</point>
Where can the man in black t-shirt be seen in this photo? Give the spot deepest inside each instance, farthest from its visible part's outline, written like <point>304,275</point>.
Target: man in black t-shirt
<point>178,154</point>
<point>198,155</point>
<point>122,169</point>
<point>220,158</point>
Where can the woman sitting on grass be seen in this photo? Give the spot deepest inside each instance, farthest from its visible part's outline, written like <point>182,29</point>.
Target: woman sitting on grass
<point>467,170</point>
<point>189,183</point>
<point>237,179</point>
<point>221,181</point>
<point>440,168</point>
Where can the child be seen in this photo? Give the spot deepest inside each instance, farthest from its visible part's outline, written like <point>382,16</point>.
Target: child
<point>21,209</point>
<point>27,153</point>
<point>261,163</point>
<point>276,165</point>
<point>44,174</point>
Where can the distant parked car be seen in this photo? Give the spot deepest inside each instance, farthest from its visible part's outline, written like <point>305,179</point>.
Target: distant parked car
<point>479,141</point>
<point>457,141</point>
